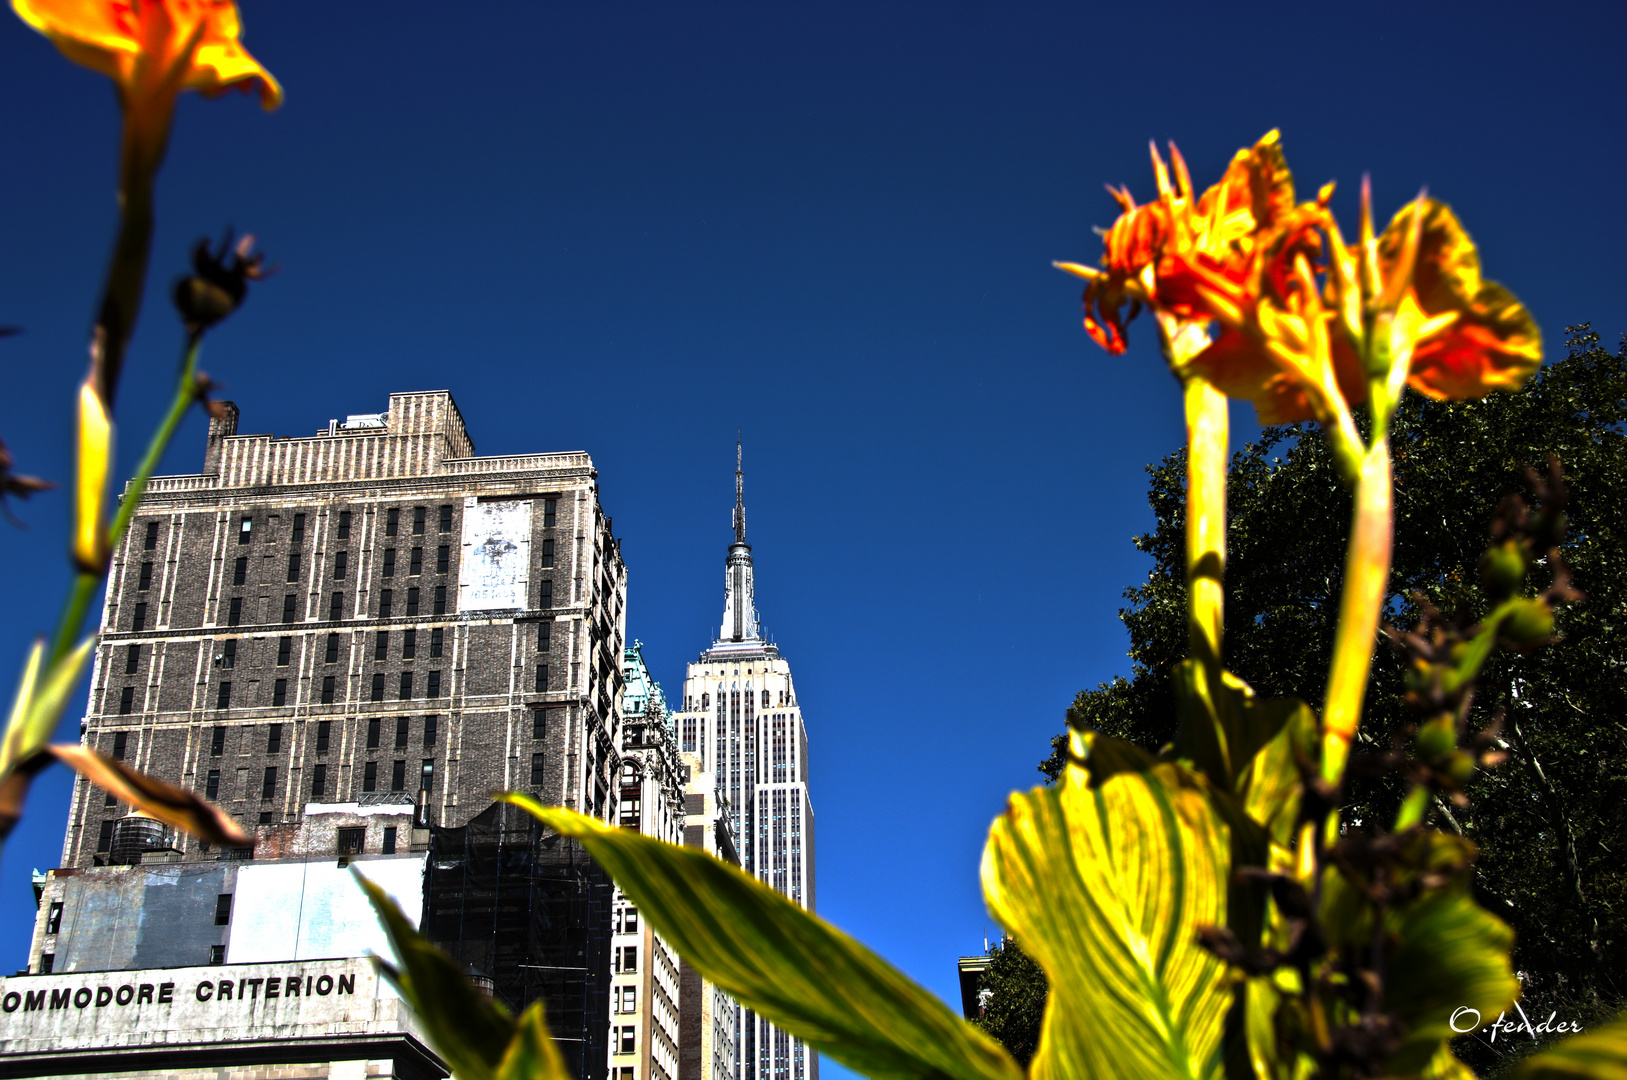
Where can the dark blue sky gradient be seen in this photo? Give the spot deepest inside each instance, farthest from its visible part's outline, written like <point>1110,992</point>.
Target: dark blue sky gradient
<point>630,228</point>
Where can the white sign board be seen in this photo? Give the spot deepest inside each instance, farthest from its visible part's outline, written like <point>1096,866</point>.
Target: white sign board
<point>496,564</point>
<point>310,910</point>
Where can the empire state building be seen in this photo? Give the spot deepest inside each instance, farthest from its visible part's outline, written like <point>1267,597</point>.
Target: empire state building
<point>742,725</point>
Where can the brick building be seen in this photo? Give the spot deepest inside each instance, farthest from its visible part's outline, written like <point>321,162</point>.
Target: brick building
<point>349,640</point>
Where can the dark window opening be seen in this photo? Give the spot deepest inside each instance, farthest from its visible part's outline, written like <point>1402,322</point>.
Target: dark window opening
<point>319,780</point>
<point>446,519</point>
<point>542,678</point>
<point>434,688</point>
<point>297,536</point>
<point>127,701</point>
<point>223,696</point>
<point>398,776</point>
<point>548,511</point>
<point>228,654</point>
<point>211,787</point>
<point>426,776</point>
<point>373,733</point>
<point>234,611</point>
<point>121,740</point>
<point>388,847</point>
<point>138,620</point>
<point>104,838</point>
<point>341,562</point>
<point>409,644</point>
<point>344,525</point>
<point>351,840</point>
<point>389,562</point>
<point>539,723</point>
<point>285,651</point>
<point>381,645</point>
<point>132,658</point>
<point>544,632</point>
<point>279,692</point>
<point>415,565</point>
<point>538,768</point>
<point>370,776</point>
<point>273,738</point>
<point>53,921</point>
<point>418,521</point>
<point>332,654</point>
<point>240,570</point>
<point>378,691</point>
<point>385,598</point>
<point>435,637</point>
<point>145,581</point>
<point>293,567</point>
<point>223,909</point>
<point>548,553</point>
<point>412,600</point>
<point>324,731</point>
<point>245,530</point>
<point>406,686</point>
<point>403,731</point>
<point>336,607</point>
<point>328,686</point>
<point>392,521</point>
<point>546,599</point>
<point>151,543</point>
<point>268,787</point>
<point>217,742</point>
<point>430,723</point>
<point>443,559</point>
<point>440,600</point>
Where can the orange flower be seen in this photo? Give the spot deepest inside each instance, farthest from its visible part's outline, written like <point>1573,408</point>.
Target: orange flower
<point>154,49</point>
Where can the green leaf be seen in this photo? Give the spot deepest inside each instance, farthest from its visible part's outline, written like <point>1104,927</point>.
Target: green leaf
<point>1105,878</point>
<point>1599,1054</point>
<point>792,968</point>
<point>474,1034</point>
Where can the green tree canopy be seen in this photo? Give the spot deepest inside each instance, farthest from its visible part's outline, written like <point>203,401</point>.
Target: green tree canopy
<point>1551,821</point>
<point>1015,988</point>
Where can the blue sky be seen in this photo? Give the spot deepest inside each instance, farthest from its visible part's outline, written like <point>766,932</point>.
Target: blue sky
<point>632,228</point>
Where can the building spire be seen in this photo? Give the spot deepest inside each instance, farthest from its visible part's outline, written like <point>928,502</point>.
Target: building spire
<point>739,494</point>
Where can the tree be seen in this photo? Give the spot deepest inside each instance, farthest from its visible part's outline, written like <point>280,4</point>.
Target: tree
<point>1550,821</point>
<point>1015,1004</point>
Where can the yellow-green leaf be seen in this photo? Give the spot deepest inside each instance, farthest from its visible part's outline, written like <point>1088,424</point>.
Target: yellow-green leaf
<point>1598,1055</point>
<point>157,798</point>
<point>1105,878</point>
<point>792,968</point>
<point>532,1053</point>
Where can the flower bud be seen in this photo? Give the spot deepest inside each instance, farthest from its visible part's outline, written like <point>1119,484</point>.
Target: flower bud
<point>219,282</point>
<point>1530,623</point>
<point>1502,568</point>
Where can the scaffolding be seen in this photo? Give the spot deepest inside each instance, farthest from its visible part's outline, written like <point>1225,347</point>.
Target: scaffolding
<point>527,913</point>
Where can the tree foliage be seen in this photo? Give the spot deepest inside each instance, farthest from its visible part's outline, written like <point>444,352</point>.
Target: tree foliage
<point>1014,989</point>
<point>1549,821</point>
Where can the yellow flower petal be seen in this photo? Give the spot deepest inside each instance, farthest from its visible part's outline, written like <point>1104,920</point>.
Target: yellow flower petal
<point>95,453</point>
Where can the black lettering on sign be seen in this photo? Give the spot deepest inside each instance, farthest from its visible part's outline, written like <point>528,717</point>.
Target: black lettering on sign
<point>104,996</point>
<point>307,986</point>
<point>166,993</point>
<point>324,985</point>
<point>291,986</point>
<point>12,1001</point>
<point>125,995</point>
<point>81,997</point>
<point>59,998</point>
<point>347,984</point>
<point>254,987</point>
<point>205,990</point>
<point>34,1001</point>
<point>145,994</point>
<point>225,991</point>
<point>273,988</point>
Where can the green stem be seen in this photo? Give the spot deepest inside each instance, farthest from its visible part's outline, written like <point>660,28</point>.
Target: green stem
<point>85,584</point>
<point>1206,450</point>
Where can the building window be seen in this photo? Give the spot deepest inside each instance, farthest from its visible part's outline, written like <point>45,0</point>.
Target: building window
<point>151,543</point>
<point>542,678</point>
<point>234,611</point>
<point>385,598</point>
<point>245,530</point>
<point>285,651</point>
<point>406,686</point>
<point>344,525</point>
<point>336,607</point>
<point>293,567</point>
<point>328,682</point>
<point>145,581</point>
<point>626,999</point>
<point>629,922</point>
<point>381,645</point>
<point>373,733</point>
<point>223,909</point>
<point>378,689</point>
<point>412,600</point>
<point>415,564</point>
<point>288,608</point>
<point>223,696</point>
<point>228,654</point>
<point>319,780</point>
<point>132,658</point>
<point>388,847</point>
<point>398,776</point>
<point>627,959</point>
<point>104,839</point>
<point>418,520</point>
<point>138,620</point>
<point>392,521</point>
<point>547,598</point>
<point>324,731</point>
<point>240,570</point>
<point>53,921</point>
<point>430,723</point>
<point>217,954</point>
<point>538,765</point>
<point>121,740</point>
<point>539,723</point>
<point>446,519</point>
<point>127,701</point>
<point>341,562</point>
<point>389,562</point>
<point>548,510</point>
<point>217,741</point>
<point>370,776</point>
<point>440,600</point>
<point>434,688</point>
<point>332,654</point>
<point>279,692</point>
<point>403,730</point>
<point>211,787</point>
<point>443,559</point>
<point>409,644</point>
<point>426,776</point>
<point>273,738</point>
<point>297,536</point>
<point>548,553</point>
<point>544,632</point>
<point>352,840</point>
<point>268,787</point>
<point>435,637</point>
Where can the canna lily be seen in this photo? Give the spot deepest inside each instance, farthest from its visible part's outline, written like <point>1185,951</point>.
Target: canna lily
<point>154,49</point>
